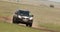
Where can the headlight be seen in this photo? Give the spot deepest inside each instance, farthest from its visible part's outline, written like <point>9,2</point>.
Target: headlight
<point>19,16</point>
<point>31,18</point>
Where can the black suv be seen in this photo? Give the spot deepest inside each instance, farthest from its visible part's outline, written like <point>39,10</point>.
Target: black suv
<point>23,17</point>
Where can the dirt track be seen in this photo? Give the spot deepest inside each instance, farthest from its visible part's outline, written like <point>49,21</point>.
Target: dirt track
<point>35,25</point>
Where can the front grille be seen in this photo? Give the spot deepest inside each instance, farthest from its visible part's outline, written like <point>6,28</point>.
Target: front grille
<point>25,19</point>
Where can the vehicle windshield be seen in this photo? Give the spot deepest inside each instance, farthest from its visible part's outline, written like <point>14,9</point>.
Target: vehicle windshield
<point>23,13</point>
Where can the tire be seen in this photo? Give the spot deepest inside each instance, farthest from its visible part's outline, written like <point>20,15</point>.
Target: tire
<point>26,24</point>
<point>30,25</point>
<point>15,20</point>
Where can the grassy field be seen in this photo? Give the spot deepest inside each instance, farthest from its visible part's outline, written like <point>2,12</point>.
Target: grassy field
<point>7,27</point>
<point>43,16</point>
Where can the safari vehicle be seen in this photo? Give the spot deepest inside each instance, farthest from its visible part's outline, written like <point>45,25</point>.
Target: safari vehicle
<point>24,17</point>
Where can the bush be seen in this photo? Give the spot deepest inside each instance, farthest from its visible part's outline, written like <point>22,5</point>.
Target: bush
<point>52,6</point>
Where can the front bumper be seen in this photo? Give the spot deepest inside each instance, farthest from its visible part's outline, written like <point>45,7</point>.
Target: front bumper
<point>24,21</point>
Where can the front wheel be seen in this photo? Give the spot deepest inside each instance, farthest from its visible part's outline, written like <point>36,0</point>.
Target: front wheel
<point>15,20</point>
<point>29,24</point>
<point>26,24</point>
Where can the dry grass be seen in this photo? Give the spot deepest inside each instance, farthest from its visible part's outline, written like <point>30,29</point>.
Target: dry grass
<point>42,14</point>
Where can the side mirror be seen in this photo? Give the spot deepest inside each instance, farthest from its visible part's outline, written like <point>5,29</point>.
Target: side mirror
<point>15,12</point>
<point>31,15</point>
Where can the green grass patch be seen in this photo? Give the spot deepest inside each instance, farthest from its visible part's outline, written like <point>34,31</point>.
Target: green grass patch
<point>50,26</point>
<point>7,27</point>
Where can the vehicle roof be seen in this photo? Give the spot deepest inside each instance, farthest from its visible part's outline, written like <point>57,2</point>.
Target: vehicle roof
<point>23,11</point>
